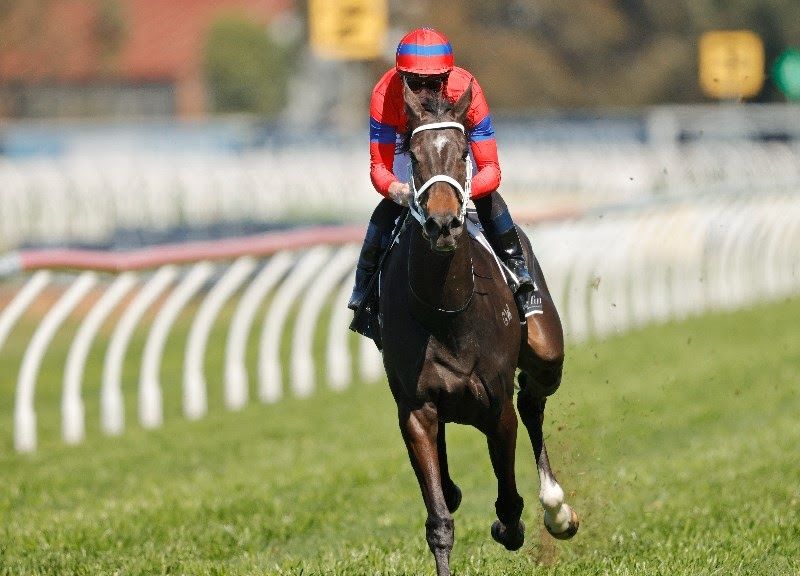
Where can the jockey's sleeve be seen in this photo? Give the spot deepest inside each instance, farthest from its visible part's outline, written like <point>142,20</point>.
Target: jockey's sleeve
<point>483,145</point>
<point>382,137</point>
<point>381,154</point>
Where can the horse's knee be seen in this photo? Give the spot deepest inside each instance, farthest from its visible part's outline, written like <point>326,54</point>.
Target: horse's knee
<point>440,533</point>
<point>540,380</point>
<point>549,376</point>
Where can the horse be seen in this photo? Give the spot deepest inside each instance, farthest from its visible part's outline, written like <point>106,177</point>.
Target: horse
<point>451,343</point>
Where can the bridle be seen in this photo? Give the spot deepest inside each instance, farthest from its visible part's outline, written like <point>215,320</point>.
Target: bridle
<point>416,211</point>
<point>463,191</point>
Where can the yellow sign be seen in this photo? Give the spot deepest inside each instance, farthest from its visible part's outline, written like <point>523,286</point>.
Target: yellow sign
<point>348,29</point>
<point>731,64</point>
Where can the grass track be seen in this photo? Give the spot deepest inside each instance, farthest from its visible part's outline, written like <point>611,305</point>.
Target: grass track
<point>677,445</point>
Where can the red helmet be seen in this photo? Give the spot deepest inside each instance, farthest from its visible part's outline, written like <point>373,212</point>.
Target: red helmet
<point>424,51</point>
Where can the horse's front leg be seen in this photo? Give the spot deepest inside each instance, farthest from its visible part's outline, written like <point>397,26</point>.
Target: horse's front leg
<point>420,431</point>
<point>452,493</point>
<point>560,519</point>
<point>508,530</point>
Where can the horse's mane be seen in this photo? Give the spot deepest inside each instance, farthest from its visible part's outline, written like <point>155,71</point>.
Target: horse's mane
<point>438,105</point>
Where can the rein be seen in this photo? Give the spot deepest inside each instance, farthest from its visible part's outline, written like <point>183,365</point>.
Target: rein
<point>463,191</point>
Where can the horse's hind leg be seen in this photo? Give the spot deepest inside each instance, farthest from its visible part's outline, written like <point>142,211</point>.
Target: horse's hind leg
<point>452,493</point>
<point>420,431</point>
<point>559,518</point>
<point>541,360</point>
<point>508,530</point>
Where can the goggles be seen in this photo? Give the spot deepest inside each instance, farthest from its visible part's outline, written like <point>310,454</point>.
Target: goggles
<point>417,82</point>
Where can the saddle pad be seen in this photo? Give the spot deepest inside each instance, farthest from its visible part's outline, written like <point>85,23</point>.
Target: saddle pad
<point>476,233</point>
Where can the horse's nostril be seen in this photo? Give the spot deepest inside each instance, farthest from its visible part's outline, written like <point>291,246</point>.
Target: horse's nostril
<point>432,227</point>
<point>456,223</point>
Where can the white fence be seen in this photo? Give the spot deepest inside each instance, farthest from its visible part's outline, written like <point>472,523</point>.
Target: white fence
<point>88,198</point>
<point>318,274</point>
<point>614,271</point>
<point>608,272</point>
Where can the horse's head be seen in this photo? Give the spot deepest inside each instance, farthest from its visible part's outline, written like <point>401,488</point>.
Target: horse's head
<point>440,165</point>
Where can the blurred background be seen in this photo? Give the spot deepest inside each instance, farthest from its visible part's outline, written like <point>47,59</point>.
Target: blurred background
<point>651,150</point>
<point>126,122</point>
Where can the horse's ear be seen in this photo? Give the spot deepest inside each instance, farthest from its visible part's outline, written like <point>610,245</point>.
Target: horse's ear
<point>461,107</point>
<point>413,105</point>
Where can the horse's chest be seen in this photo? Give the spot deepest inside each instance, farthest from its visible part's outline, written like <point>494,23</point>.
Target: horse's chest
<point>463,357</point>
<point>464,385</point>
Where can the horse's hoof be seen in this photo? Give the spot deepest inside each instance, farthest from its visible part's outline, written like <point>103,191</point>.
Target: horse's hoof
<point>453,499</point>
<point>511,541</point>
<point>571,530</point>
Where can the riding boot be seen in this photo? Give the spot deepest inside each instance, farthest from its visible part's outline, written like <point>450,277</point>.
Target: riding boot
<point>508,247</point>
<point>367,264</point>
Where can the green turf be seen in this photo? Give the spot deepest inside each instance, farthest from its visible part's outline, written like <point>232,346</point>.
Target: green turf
<point>677,445</point>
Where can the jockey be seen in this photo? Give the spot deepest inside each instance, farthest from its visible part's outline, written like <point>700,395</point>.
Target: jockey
<point>425,60</point>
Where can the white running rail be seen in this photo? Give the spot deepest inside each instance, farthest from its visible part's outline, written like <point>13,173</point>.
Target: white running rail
<point>314,262</point>
<point>608,272</point>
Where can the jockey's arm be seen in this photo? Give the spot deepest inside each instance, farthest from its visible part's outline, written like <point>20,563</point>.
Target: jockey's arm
<point>382,138</point>
<point>381,153</point>
<point>384,181</point>
<point>483,145</point>
<point>487,179</point>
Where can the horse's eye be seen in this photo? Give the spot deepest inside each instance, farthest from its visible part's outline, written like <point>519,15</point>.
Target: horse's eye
<point>465,154</point>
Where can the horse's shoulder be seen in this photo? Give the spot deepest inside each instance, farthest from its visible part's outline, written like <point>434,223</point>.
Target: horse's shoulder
<point>484,263</point>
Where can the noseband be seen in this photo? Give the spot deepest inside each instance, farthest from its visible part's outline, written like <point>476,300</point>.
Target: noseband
<point>463,191</point>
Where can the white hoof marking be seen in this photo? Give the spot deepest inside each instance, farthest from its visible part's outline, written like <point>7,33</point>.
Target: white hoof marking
<point>557,515</point>
<point>560,521</point>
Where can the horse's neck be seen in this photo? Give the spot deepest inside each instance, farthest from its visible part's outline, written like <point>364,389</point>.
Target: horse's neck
<point>442,282</point>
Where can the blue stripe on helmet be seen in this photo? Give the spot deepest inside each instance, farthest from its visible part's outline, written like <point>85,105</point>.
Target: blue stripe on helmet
<point>381,133</point>
<point>422,50</point>
<point>483,130</point>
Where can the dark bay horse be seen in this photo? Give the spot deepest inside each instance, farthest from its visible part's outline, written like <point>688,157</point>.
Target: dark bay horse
<point>452,339</point>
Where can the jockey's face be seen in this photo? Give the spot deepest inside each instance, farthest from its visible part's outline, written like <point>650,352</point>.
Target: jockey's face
<point>421,84</point>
